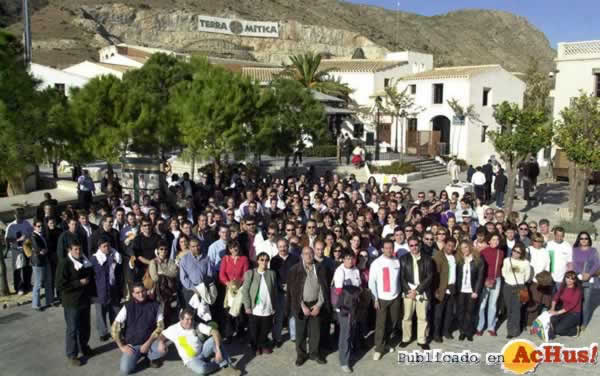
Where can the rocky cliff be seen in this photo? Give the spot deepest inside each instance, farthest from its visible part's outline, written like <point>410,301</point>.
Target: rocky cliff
<point>66,31</point>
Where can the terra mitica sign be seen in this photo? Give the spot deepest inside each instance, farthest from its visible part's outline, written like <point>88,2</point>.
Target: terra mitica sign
<point>238,27</point>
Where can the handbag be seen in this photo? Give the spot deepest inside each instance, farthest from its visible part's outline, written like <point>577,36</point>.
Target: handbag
<point>491,283</point>
<point>544,279</point>
<point>522,291</point>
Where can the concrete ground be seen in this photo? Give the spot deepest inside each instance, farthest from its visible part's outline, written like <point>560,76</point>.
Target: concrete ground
<point>33,344</point>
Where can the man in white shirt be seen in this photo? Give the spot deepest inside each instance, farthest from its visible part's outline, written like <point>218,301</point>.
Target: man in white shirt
<point>384,284</point>
<point>478,181</point>
<point>400,245</point>
<point>269,245</point>
<point>561,255</point>
<point>200,349</point>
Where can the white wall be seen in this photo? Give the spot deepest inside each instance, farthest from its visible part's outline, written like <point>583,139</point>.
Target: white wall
<point>106,52</point>
<point>51,76</point>
<point>417,62</point>
<point>90,70</point>
<point>122,60</point>
<point>573,76</point>
<point>465,140</point>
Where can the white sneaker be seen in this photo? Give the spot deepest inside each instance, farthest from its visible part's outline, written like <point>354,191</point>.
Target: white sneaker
<point>376,356</point>
<point>346,369</point>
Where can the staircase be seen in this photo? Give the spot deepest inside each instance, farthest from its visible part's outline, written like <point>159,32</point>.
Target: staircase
<point>429,167</point>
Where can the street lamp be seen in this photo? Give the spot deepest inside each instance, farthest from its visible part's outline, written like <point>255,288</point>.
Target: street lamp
<point>378,105</point>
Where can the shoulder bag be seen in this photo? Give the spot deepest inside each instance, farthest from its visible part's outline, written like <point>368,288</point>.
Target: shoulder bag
<point>523,292</point>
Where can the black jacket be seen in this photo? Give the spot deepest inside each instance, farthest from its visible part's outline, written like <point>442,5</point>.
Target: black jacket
<point>426,271</point>
<point>500,183</point>
<point>295,288</point>
<point>477,275</point>
<point>68,282</point>
<point>113,235</point>
<point>488,171</point>
<point>37,244</point>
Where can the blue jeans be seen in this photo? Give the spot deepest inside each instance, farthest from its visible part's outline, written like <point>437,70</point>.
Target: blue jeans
<point>499,199</point>
<point>42,276</point>
<point>128,362</point>
<point>279,317</point>
<point>589,304</point>
<point>489,298</point>
<point>102,312</point>
<point>203,364</point>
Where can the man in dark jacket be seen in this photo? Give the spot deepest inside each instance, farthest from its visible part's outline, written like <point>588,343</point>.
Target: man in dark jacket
<point>308,294</point>
<point>281,264</point>
<point>488,171</point>
<point>416,277</point>
<point>470,172</point>
<point>500,188</point>
<point>105,230</point>
<point>108,273</point>
<point>75,282</point>
<point>40,264</point>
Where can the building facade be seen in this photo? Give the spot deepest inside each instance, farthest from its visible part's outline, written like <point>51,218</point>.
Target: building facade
<point>56,78</point>
<point>436,130</point>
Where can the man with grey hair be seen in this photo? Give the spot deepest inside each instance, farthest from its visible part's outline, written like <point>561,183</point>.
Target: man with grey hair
<point>307,295</point>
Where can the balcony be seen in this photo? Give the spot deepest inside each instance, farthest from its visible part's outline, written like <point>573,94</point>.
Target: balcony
<point>579,50</point>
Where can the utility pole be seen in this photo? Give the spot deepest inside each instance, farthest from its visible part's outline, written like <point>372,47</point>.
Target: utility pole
<point>27,32</point>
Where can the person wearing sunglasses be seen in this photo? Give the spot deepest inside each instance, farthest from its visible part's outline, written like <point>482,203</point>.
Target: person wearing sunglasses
<point>586,264</point>
<point>259,296</point>
<point>416,277</point>
<point>541,296</point>
<point>516,272</point>
<point>566,307</point>
<point>523,237</point>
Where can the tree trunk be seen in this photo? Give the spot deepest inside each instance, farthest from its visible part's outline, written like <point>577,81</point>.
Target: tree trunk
<point>572,186</point>
<point>511,173</point>
<point>580,191</point>
<point>193,166</point>
<point>15,186</point>
<point>4,291</point>
<point>55,169</point>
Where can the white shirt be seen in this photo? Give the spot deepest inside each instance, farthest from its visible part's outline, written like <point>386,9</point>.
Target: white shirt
<point>384,275</point>
<point>465,286</point>
<point>451,270</point>
<point>264,307</point>
<point>478,178</point>
<point>560,255</point>
<point>540,260</point>
<point>346,277</point>
<point>270,248</point>
<point>186,341</point>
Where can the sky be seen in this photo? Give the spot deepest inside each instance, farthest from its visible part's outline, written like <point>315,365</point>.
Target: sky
<point>560,20</point>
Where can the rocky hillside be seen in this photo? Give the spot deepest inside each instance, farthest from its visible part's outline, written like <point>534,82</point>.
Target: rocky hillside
<point>65,31</point>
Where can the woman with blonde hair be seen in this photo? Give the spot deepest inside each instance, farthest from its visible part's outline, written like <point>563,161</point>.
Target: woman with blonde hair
<point>470,271</point>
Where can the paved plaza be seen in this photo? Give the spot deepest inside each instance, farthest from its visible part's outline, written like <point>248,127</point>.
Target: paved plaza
<point>33,344</point>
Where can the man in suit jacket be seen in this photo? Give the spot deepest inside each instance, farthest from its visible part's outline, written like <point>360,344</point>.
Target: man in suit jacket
<point>445,291</point>
<point>416,276</point>
<point>86,229</point>
<point>308,295</point>
<point>41,267</point>
<point>106,230</point>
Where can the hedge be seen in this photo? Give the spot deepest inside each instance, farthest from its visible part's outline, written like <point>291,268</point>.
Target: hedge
<point>321,151</point>
<point>396,168</point>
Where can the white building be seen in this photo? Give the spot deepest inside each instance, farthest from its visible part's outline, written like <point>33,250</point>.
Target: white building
<point>56,78</point>
<point>91,69</point>
<point>436,130</point>
<point>577,69</point>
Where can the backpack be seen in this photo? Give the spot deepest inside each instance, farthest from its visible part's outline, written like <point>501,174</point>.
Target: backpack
<point>349,301</point>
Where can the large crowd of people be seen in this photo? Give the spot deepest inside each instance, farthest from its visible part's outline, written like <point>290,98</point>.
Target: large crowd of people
<point>240,257</point>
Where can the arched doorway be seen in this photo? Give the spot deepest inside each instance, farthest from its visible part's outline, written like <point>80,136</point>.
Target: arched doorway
<point>441,124</point>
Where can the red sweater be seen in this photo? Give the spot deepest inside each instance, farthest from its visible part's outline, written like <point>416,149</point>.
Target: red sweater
<point>230,270</point>
<point>490,255</point>
<point>570,299</point>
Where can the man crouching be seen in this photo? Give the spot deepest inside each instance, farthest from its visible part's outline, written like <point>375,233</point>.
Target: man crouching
<point>201,348</point>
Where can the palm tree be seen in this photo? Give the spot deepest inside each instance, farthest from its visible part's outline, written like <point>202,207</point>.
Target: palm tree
<point>305,69</point>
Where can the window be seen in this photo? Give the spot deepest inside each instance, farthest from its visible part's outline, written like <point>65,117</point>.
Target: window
<point>412,125</point>
<point>486,96</point>
<point>386,82</point>
<point>483,133</point>
<point>60,88</point>
<point>438,93</point>
<point>413,89</point>
<point>597,85</point>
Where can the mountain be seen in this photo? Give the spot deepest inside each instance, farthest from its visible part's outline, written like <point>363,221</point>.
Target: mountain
<point>67,31</point>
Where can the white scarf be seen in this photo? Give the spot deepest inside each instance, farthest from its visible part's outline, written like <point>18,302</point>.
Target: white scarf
<point>116,256</point>
<point>78,264</point>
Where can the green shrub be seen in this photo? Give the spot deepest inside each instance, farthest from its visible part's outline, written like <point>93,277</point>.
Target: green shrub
<point>321,151</point>
<point>575,227</point>
<point>396,168</point>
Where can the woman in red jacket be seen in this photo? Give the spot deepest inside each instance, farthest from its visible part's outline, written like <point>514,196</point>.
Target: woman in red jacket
<point>231,275</point>
<point>568,298</point>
